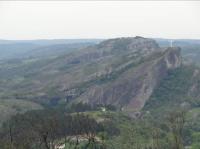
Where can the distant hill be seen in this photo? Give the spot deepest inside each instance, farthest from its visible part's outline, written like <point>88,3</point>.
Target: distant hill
<point>45,42</point>
<point>11,49</point>
<point>177,42</point>
<point>190,48</point>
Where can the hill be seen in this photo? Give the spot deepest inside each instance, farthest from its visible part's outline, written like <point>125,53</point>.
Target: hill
<point>122,72</point>
<point>18,49</point>
<point>133,89</point>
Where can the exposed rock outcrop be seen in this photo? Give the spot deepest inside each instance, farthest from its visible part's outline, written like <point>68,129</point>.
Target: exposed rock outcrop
<point>137,45</point>
<point>122,71</point>
<point>134,86</point>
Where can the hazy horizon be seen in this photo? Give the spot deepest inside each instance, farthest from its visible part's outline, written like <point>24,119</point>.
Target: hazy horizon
<point>20,20</point>
<point>97,38</point>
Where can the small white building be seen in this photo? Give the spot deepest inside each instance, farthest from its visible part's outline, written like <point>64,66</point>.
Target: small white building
<point>103,109</point>
<point>61,146</point>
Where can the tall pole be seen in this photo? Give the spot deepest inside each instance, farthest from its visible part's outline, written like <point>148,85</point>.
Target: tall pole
<point>171,43</point>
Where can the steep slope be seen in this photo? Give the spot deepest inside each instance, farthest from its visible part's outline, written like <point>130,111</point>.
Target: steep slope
<point>135,85</point>
<point>179,89</point>
<point>190,49</point>
<point>121,71</point>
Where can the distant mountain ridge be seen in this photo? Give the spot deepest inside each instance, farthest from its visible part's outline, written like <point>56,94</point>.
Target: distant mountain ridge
<point>17,49</point>
<point>51,41</point>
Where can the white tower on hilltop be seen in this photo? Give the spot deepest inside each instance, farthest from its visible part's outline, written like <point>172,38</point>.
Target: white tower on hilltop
<point>171,43</point>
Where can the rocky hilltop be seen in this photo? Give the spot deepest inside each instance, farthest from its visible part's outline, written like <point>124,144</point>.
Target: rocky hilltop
<point>122,71</point>
<point>135,85</point>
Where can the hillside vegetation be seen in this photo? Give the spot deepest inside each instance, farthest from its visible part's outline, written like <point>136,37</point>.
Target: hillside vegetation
<point>122,72</point>
<point>122,93</point>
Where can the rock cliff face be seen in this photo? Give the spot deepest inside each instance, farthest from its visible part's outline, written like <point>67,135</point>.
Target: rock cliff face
<point>122,71</point>
<point>133,87</point>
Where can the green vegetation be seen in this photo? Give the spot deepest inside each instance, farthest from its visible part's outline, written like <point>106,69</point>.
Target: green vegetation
<point>45,111</point>
<point>10,107</point>
<point>46,129</point>
<point>173,92</point>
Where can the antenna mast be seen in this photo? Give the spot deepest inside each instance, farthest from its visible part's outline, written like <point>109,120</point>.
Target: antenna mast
<point>171,43</point>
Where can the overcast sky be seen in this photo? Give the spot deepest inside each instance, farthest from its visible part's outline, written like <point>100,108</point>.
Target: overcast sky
<point>99,19</point>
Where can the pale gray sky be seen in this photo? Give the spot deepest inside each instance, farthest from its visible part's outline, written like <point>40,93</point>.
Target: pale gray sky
<point>99,19</point>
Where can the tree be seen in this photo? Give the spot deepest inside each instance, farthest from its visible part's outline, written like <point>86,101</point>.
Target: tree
<point>176,121</point>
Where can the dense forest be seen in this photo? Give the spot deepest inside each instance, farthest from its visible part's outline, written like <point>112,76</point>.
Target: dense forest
<point>96,128</point>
